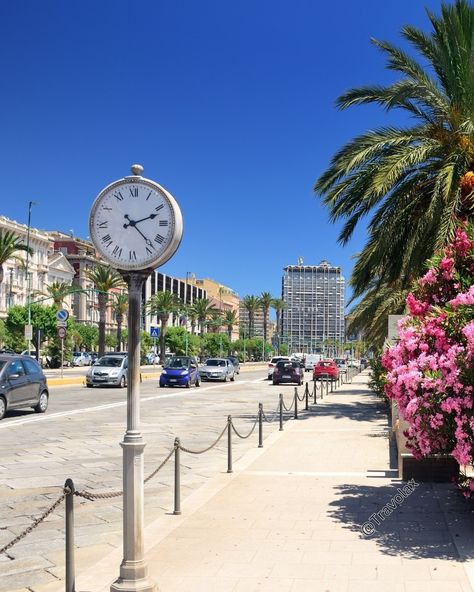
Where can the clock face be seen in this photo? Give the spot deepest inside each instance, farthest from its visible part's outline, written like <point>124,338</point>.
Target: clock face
<point>135,224</point>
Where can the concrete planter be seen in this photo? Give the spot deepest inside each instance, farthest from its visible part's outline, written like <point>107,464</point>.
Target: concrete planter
<point>432,469</point>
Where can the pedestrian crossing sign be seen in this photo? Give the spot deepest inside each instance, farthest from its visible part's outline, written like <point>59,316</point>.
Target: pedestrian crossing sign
<point>154,332</point>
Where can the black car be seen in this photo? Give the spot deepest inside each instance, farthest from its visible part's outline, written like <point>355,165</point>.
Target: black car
<point>22,384</point>
<point>235,361</point>
<point>288,371</point>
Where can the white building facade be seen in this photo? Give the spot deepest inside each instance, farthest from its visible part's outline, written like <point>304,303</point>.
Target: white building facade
<point>313,319</point>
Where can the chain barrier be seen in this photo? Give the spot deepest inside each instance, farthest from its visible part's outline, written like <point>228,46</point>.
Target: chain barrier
<point>234,429</point>
<point>36,522</point>
<point>177,446</point>
<point>205,449</point>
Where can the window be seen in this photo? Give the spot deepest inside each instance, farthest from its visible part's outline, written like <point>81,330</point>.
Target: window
<point>31,366</point>
<point>16,368</point>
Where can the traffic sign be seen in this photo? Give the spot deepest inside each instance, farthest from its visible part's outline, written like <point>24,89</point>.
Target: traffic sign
<point>62,315</point>
<point>61,324</point>
<point>62,332</point>
<point>28,332</point>
<point>154,332</point>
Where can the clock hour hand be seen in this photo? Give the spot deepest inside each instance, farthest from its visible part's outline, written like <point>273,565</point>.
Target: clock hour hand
<point>133,224</point>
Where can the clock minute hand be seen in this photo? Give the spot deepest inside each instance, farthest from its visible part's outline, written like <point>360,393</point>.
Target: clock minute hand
<point>150,217</point>
<point>133,224</point>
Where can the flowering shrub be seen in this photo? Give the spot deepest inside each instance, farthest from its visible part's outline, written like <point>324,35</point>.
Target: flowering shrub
<point>430,371</point>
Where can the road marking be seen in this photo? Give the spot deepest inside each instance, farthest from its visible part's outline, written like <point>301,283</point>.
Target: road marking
<point>113,405</point>
<point>381,472</point>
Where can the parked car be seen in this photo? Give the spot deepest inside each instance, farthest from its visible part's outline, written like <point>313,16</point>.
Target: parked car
<point>353,363</point>
<point>364,362</point>
<point>217,369</point>
<point>81,359</point>
<point>93,356</point>
<point>180,371</point>
<point>236,363</point>
<point>273,362</point>
<point>22,384</point>
<point>110,370</point>
<point>326,368</point>
<point>341,364</point>
<point>311,360</point>
<point>288,371</point>
<point>152,358</point>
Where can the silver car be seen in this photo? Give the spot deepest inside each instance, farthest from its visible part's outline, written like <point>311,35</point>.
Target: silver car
<point>110,370</point>
<point>217,369</point>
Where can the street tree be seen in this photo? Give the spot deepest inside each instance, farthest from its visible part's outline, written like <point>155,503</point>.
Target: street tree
<point>10,245</point>
<point>105,279</point>
<point>265,300</point>
<point>230,320</point>
<point>163,304</point>
<point>414,183</point>
<point>119,305</point>
<point>251,305</point>
<point>204,310</point>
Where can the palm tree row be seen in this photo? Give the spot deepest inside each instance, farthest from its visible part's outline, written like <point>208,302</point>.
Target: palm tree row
<point>414,183</point>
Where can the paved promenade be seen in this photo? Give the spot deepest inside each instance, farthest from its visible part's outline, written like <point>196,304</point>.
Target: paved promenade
<point>290,516</point>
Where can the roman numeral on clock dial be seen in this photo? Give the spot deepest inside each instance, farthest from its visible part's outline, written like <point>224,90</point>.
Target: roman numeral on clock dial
<point>159,239</point>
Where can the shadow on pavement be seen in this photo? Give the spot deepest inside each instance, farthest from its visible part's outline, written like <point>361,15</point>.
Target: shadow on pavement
<point>431,522</point>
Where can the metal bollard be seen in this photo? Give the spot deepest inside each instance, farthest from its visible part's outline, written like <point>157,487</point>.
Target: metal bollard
<point>296,403</point>
<point>332,385</point>
<point>260,425</point>
<point>229,443</point>
<point>306,395</point>
<point>327,385</point>
<point>70,581</point>
<point>281,413</point>
<point>177,478</point>
<point>315,394</point>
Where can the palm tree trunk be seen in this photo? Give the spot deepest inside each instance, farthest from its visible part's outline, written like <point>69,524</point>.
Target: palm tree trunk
<point>119,331</point>
<point>102,298</point>
<point>164,321</point>
<point>229,332</point>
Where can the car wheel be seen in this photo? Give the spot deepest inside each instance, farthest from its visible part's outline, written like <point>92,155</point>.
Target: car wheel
<point>123,382</point>
<point>188,383</point>
<point>162,385</point>
<point>198,382</point>
<point>225,378</point>
<point>3,407</point>
<point>89,385</point>
<point>275,382</point>
<point>42,403</point>
<point>233,378</point>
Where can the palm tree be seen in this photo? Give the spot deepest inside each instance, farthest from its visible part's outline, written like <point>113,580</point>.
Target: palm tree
<point>204,310</point>
<point>10,244</point>
<point>251,305</point>
<point>105,279</point>
<point>215,322</point>
<point>265,300</point>
<point>162,304</point>
<point>278,304</point>
<point>58,292</point>
<point>120,307</point>
<point>415,182</point>
<point>230,320</point>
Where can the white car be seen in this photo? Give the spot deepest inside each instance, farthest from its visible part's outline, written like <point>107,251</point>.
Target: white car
<point>217,369</point>
<point>273,362</point>
<point>81,359</point>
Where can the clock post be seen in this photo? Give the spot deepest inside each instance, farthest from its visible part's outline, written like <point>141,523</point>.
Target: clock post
<point>135,225</point>
<point>133,569</point>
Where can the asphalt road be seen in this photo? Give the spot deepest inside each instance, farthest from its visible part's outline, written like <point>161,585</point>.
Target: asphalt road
<point>79,437</point>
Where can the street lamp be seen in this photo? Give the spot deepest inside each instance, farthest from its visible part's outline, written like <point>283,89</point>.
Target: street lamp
<point>189,274</point>
<point>28,304</point>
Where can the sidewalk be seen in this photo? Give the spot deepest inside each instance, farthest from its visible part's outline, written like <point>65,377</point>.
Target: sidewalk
<point>289,518</point>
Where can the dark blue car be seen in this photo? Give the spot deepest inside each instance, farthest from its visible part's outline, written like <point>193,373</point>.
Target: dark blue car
<point>180,371</point>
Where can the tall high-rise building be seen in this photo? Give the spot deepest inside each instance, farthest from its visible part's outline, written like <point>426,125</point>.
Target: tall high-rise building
<point>313,319</point>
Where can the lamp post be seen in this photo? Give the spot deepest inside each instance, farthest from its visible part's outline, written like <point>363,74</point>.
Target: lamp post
<point>188,274</point>
<point>28,304</point>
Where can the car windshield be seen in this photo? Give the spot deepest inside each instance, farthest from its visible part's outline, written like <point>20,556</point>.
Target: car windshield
<point>325,364</point>
<point>215,363</point>
<point>177,363</point>
<point>109,361</point>
<point>285,365</point>
<point>2,364</point>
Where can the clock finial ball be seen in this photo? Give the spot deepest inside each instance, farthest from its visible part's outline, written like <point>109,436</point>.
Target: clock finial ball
<point>137,169</point>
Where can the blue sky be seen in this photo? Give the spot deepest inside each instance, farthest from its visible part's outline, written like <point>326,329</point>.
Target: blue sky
<point>229,105</point>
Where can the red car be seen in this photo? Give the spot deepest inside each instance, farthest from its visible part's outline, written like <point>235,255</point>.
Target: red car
<point>326,368</point>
